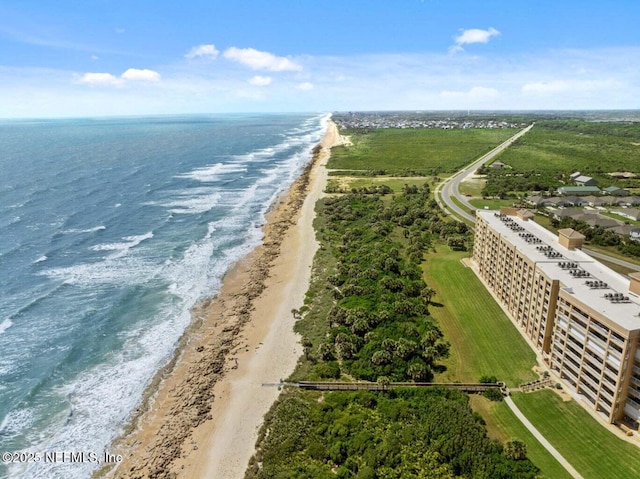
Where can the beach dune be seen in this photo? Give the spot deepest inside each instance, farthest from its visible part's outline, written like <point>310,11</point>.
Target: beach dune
<point>202,413</point>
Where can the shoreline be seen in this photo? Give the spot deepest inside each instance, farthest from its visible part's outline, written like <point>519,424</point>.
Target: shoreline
<point>201,414</point>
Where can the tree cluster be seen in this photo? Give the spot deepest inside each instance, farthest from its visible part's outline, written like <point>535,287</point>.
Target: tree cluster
<point>379,323</point>
<point>400,434</point>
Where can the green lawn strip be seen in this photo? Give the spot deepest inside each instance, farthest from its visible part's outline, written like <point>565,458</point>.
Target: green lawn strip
<point>493,204</point>
<point>619,218</point>
<point>396,184</point>
<point>424,150</point>
<point>464,207</point>
<point>611,251</point>
<point>503,425</point>
<point>587,445</point>
<point>472,187</point>
<point>483,339</point>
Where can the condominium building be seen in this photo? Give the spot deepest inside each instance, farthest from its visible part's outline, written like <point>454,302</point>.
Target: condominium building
<point>582,317</point>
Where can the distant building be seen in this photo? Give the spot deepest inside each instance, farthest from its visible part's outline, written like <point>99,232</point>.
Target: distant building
<point>628,201</point>
<point>497,164</point>
<point>585,181</point>
<point>574,175</point>
<point>626,230</point>
<point>631,213</point>
<point>578,190</point>
<point>615,191</point>
<point>581,316</point>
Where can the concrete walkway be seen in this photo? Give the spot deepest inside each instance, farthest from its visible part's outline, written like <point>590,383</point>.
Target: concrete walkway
<point>542,439</point>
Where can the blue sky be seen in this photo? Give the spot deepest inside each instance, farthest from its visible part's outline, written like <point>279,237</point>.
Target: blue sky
<point>108,57</point>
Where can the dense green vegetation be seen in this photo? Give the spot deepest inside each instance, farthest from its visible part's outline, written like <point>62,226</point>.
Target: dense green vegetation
<point>544,158</point>
<point>593,450</point>
<point>414,152</point>
<point>366,316</point>
<point>379,324</point>
<point>429,434</point>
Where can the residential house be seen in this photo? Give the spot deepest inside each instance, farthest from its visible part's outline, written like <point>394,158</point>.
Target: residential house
<point>625,230</point>
<point>631,213</point>
<point>578,190</point>
<point>583,180</point>
<point>615,191</point>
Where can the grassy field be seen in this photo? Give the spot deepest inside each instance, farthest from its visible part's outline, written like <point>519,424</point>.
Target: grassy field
<point>493,204</point>
<point>422,150</point>
<point>396,184</point>
<point>557,147</point>
<point>503,425</point>
<point>483,339</point>
<point>591,449</point>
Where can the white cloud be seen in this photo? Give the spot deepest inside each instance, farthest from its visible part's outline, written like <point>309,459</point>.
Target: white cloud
<point>206,51</point>
<point>260,80</point>
<point>573,86</point>
<point>258,60</point>
<point>135,74</point>
<point>99,79</point>
<point>472,35</point>
<point>131,75</point>
<point>305,86</point>
<point>475,93</point>
<point>95,57</point>
<point>555,86</point>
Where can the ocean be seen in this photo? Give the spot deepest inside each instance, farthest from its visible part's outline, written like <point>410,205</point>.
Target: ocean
<point>111,230</point>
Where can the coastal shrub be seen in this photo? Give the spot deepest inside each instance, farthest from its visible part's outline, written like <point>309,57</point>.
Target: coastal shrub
<point>391,434</point>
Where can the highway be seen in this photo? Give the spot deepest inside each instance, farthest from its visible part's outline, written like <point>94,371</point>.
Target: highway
<point>449,189</point>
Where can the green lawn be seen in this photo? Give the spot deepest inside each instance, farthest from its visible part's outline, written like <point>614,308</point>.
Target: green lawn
<point>422,150</point>
<point>396,184</point>
<point>493,204</point>
<point>483,339</point>
<point>503,425</point>
<point>588,446</point>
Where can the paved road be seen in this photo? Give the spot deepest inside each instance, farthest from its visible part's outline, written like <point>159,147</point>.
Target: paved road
<point>611,259</point>
<point>449,187</point>
<point>552,450</point>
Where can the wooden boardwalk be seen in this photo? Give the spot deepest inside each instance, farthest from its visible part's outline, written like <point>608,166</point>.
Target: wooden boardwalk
<point>371,386</point>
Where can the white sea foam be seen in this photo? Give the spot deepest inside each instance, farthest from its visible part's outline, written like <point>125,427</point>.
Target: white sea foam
<point>87,230</point>
<point>196,203</point>
<point>102,397</point>
<point>41,259</point>
<point>123,248</point>
<point>212,173</point>
<point>4,325</point>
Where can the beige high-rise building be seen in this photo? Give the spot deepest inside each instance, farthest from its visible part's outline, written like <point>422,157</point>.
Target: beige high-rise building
<point>581,316</point>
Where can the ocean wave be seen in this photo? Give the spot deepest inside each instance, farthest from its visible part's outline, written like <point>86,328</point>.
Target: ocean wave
<point>209,174</point>
<point>41,259</point>
<point>101,398</point>
<point>123,248</point>
<point>4,325</point>
<point>87,230</point>
<point>190,203</point>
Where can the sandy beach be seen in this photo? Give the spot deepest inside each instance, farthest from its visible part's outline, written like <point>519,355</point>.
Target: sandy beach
<point>202,413</point>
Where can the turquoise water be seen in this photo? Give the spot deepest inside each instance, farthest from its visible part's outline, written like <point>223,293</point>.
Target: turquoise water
<point>111,230</point>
